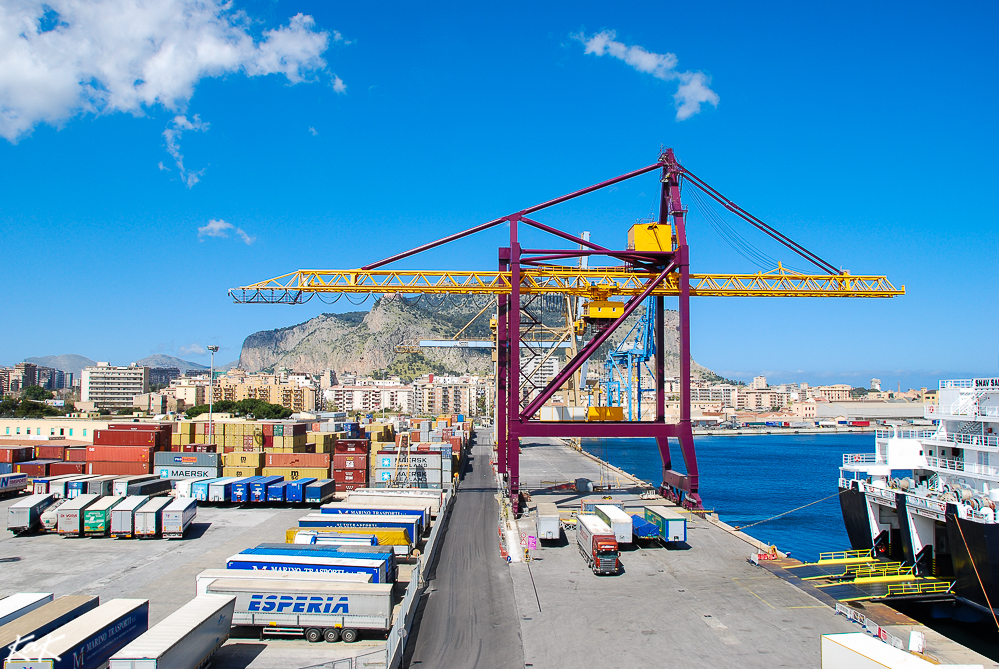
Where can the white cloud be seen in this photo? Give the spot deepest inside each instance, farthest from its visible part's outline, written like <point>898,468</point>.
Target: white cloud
<point>172,134</point>
<point>62,58</point>
<point>338,85</point>
<point>693,89</point>
<point>193,349</point>
<point>220,228</point>
<point>313,131</point>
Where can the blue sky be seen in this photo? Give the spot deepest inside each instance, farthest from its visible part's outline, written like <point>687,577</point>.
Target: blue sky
<point>866,133</point>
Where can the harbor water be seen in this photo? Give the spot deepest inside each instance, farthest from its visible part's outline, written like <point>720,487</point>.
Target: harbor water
<point>749,478</point>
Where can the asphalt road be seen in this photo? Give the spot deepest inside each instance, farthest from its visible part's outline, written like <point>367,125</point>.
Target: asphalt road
<point>468,616</point>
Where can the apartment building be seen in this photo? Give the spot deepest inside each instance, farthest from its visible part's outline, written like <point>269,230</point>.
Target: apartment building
<point>110,387</point>
<point>297,394</point>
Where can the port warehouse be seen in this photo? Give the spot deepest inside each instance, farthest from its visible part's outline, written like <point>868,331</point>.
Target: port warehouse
<point>353,556</point>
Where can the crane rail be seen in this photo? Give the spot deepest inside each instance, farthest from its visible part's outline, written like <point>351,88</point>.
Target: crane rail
<point>298,286</point>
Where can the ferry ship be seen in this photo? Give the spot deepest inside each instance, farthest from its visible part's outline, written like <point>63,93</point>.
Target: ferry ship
<point>927,497</point>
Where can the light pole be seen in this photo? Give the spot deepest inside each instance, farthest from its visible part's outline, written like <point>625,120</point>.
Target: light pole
<point>211,395</point>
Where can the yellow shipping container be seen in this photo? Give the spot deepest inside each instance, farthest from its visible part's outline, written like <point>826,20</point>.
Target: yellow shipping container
<point>244,459</point>
<point>295,473</point>
<point>241,471</point>
<point>386,536</point>
<point>175,439</point>
<point>184,427</point>
<point>200,439</point>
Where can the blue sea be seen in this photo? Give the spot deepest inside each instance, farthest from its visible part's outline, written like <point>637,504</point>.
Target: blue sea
<point>745,479</point>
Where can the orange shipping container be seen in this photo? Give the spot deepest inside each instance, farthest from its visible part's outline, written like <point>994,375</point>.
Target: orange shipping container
<point>120,453</point>
<point>297,460</point>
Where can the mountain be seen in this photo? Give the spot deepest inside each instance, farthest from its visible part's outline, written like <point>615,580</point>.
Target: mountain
<point>364,342</point>
<point>160,360</point>
<point>69,362</point>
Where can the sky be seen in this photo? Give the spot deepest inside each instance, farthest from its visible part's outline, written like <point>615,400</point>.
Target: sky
<point>155,155</point>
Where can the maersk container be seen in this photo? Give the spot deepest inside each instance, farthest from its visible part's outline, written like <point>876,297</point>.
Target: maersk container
<point>617,520</point>
<point>46,618</point>
<point>91,639</point>
<point>277,491</point>
<point>220,490</point>
<point>151,487</point>
<point>199,490</point>
<point>97,517</point>
<point>185,639</point>
<point>319,491</point>
<point>71,514</point>
<point>123,515</point>
<point>345,551</point>
<point>309,539</point>
<point>322,565</point>
<point>25,515</point>
<point>549,521</point>
<point>14,606</point>
<point>410,523</point>
<point>148,520</point>
<point>672,526</point>
<point>186,472</point>
<point>241,491</point>
<point>295,492</point>
<point>258,489</point>
<point>122,484</point>
<point>178,516</point>
<point>209,576</point>
<point>435,497</point>
<point>330,611</point>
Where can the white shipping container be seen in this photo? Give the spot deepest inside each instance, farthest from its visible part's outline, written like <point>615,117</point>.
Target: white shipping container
<point>58,487</point>
<point>16,605</point>
<point>120,487</point>
<point>178,516</point>
<point>549,523</point>
<point>25,514</point>
<point>148,520</point>
<point>209,576</point>
<point>185,639</point>
<point>617,520</point>
<point>123,515</point>
<point>183,488</point>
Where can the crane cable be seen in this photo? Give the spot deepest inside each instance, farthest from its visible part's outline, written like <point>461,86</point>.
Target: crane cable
<point>743,527</point>
<point>975,567</point>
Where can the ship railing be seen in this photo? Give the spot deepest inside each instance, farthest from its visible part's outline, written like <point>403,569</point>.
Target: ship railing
<point>960,466</point>
<point>984,440</point>
<point>955,383</point>
<point>919,588</point>
<point>845,555</point>
<point>898,433</point>
<point>862,459</point>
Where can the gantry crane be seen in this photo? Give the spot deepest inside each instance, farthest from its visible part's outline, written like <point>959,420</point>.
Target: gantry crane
<point>655,265</point>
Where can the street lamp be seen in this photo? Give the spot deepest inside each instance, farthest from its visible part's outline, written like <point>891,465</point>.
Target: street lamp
<point>211,395</point>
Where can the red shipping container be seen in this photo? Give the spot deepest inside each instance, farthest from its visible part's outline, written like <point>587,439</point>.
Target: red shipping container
<point>297,460</point>
<point>342,461</point>
<point>359,476</point>
<point>34,468</point>
<point>126,438</point>
<point>151,427</point>
<point>268,429</point>
<point>13,454</point>
<point>120,453</point>
<point>248,439</point>
<point>60,468</point>
<point>118,468</point>
<point>347,487</point>
<point>50,452</point>
<point>351,446</point>
<point>76,454</point>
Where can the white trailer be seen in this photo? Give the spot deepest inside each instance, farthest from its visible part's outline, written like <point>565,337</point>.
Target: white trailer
<point>49,520</point>
<point>178,516</point>
<point>672,526</point>
<point>148,519</point>
<point>14,606</point>
<point>185,639</point>
<point>71,514</point>
<point>209,576</point>
<point>549,523</point>
<point>26,514</point>
<point>183,488</point>
<point>123,515</point>
<point>388,495</point>
<point>617,520</point>
<point>330,610</point>
<point>120,486</point>
<point>59,487</point>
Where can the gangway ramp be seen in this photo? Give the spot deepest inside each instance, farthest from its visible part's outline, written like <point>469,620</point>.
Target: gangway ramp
<point>832,563</point>
<point>812,572</point>
<point>886,587</point>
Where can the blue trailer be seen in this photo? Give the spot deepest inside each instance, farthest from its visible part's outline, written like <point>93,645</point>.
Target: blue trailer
<point>320,491</point>
<point>643,529</point>
<point>380,510</point>
<point>241,489</point>
<point>199,489</point>
<point>322,565</point>
<point>410,523</point>
<point>258,489</point>
<point>355,551</point>
<point>295,492</point>
<point>278,491</point>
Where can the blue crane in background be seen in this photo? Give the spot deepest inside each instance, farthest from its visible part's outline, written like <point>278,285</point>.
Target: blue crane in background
<point>623,366</point>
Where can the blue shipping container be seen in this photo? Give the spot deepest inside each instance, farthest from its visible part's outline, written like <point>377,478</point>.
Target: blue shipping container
<point>241,489</point>
<point>258,489</point>
<point>277,492</point>
<point>6,468</point>
<point>199,490</point>
<point>337,509</point>
<point>320,565</point>
<point>295,492</point>
<point>320,491</point>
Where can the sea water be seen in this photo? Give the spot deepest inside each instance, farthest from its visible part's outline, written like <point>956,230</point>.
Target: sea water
<point>750,478</point>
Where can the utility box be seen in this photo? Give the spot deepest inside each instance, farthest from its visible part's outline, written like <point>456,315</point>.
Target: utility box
<point>605,413</point>
<point>650,237</point>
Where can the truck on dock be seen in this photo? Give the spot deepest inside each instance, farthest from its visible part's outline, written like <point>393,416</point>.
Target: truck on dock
<point>71,514</point>
<point>319,491</point>
<point>178,516</point>
<point>332,610</point>
<point>13,484</point>
<point>672,526</point>
<point>46,618</point>
<point>185,639</point>
<point>597,544</point>
<point>26,514</point>
<point>617,520</point>
<point>97,518</point>
<point>549,522</point>
<point>91,639</point>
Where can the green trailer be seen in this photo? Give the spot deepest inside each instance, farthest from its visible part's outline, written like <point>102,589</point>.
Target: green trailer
<point>97,517</point>
<point>672,526</point>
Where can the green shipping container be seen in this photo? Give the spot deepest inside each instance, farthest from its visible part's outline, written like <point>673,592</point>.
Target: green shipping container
<point>97,518</point>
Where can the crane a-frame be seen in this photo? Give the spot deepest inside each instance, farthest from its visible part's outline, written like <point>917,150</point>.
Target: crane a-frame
<point>656,265</point>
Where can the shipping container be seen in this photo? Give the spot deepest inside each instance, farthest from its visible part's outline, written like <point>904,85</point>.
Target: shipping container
<point>67,468</point>
<point>388,494</point>
<point>322,565</point>
<point>251,459</point>
<point>97,517</point>
<point>50,452</point>
<point>185,639</point>
<point>38,485</point>
<point>14,454</point>
<point>297,460</point>
<point>25,515</point>
<point>293,473</point>
<point>348,446</point>
<point>46,618</point>
<point>121,484</point>
<point>59,486</point>
<point>118,469</point>
<point>412,478</point>
<point>258,488</point>
<point>209,576</point>
<point>151,487</point>
<point>617,520</point>
<point>672,526</point>
<point>319,491</point>
<point>549,521</point>
<point>123,515</point>
<point>104,453</point>
<point>330,611</point>
<point>277,491</point>
<point>187,472</point>
<point>76,454</point>
<point>220,490</point>
<point>422,512</point>
<point>178,516</point>
<point>350,475</point>
<point>34,468</point>
<point>71,514</point>
<point>171,459</point>
<point>6,468</point>
<point>410,523</point>
<point>14,606</point>
<point>91,639</point>
<point>295,491</point>
<point>148,519</point>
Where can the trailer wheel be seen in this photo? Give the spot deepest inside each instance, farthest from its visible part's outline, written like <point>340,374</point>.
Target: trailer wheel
<point>349,635</point>
<point>331,635</point>
<point>312,635</point>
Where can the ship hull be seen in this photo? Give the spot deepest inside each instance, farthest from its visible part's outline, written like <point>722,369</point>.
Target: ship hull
<point>975,558</point>
<point>853,504</point>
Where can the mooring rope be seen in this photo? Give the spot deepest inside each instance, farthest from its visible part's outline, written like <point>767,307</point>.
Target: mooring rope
<point>765,520</point>
<point>977,575</point>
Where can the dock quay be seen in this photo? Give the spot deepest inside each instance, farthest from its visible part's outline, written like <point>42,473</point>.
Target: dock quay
<point>702,603</point>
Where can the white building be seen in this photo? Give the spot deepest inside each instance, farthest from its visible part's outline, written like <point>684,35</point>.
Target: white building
<point>759,382</point>
<point>111,387</point>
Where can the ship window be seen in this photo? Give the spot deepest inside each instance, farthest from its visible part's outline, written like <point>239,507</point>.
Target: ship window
<point>920,452</point>
<point>931,452</point>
